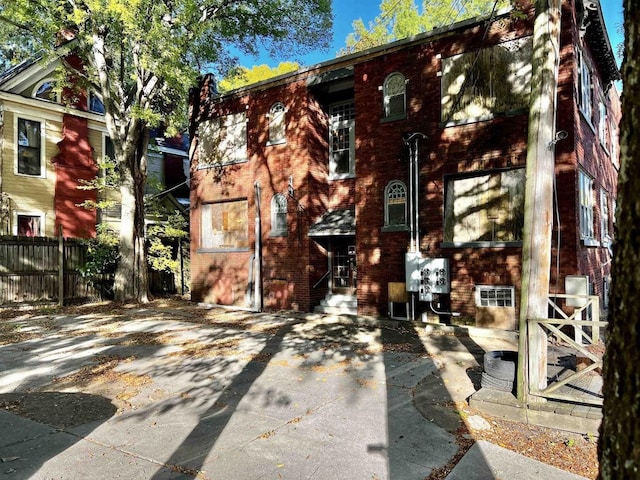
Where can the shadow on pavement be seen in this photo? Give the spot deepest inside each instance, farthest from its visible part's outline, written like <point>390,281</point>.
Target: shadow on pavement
<point>35,426</point>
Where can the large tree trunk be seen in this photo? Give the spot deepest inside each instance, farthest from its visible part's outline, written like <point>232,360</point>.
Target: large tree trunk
<point>131,279</point>
<point>619,447</point>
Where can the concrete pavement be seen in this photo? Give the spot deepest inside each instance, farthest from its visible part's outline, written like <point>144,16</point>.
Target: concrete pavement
<point>239,395</point>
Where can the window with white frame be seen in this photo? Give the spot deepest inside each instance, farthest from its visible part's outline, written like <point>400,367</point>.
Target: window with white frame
<point>585,99</point>
<point>486,207</point>
<point>277,124</point>
<point>395,204</point>
<point>223,140</point>
<point>29,224</point>
<point>342,140</point>
<point>46,90</point>
<point>603,125</point>
<point>225,225</point>
<point>493,296</point>
<point>613,133</point>
<point>279,215</point>
<point>395,98</point>
<point>586,206</point>
<point>604,216</point>
<point>30,148</point>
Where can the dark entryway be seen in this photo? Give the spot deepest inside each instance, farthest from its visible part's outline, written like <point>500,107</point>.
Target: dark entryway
<point>343,266</point>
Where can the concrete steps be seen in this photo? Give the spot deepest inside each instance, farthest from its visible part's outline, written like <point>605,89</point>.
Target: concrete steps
<point>338,304</point>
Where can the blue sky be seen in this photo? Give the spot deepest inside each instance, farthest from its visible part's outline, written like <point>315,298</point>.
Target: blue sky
<point>346,11</point>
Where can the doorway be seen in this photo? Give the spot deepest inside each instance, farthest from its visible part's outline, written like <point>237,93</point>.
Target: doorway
<point>343,268</point>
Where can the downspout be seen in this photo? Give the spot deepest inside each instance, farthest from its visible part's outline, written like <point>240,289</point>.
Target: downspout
<point>411,140</point>
<point>257,298</point>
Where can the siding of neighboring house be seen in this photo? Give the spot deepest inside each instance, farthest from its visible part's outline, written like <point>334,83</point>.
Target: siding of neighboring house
<point>29,195</point>
<point>72,143</point>
<point>471,173</point>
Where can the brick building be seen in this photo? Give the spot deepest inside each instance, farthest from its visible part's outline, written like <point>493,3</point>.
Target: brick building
<point>356,182</point>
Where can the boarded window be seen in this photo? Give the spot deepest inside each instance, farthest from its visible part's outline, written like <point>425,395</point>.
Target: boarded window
<point>486,82</point>
<point>224,225</point>
<point>223,140</point>
<point>485,208</point>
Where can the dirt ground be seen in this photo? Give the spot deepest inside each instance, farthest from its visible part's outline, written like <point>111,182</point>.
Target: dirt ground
<point>570,452</point>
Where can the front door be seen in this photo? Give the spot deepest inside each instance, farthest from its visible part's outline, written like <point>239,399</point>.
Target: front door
<point>343,269</point>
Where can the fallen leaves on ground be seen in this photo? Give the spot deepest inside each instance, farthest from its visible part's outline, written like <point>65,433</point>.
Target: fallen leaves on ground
<point>567,451</point>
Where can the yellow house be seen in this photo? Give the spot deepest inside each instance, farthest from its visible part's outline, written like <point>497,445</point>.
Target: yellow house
<point>46,150</point>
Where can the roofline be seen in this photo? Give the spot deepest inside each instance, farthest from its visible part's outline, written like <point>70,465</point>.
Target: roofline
<point>359,57</point>
<point>50,107</point>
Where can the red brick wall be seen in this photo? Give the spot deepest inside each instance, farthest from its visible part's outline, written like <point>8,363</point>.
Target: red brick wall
<point>74,164</point>
<point>293,264</point>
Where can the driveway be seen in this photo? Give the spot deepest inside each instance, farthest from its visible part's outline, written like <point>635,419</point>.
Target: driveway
<point>177,391</point>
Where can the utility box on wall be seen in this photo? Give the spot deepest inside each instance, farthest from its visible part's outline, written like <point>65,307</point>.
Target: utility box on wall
<point>427,276</point>
<point>576,285</point>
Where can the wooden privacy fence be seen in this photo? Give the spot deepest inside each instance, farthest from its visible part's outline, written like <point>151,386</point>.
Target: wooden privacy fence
<point>34,269</point>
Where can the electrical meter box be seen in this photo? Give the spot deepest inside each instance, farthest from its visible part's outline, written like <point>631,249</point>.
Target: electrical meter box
<point>427,276</point>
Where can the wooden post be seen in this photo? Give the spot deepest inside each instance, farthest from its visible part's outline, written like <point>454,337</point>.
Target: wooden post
<point>538,215</point>
<point>60,267</point>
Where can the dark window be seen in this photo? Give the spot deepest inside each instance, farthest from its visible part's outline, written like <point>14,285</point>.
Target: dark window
<point>29,147</point>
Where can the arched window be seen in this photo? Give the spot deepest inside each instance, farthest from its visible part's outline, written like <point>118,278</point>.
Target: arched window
<point>277,125</point>
<point>95,103</point>
<point>279,215</point>
<point>394,90</point>
<point>395,204</point>
<point>46,90</point>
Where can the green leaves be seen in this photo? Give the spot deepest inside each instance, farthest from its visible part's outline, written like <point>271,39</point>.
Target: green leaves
<point>400,19</point>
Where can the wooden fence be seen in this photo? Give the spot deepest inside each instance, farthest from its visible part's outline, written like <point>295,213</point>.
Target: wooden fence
<point>43,269</point>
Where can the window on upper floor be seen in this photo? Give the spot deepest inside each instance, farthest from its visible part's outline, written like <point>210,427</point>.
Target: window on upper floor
<point>342,162</point>
<point>30,151</point>
<point>585,194</point>
<point>603,125</point>
<point>223,140</point>
<point>585,87</point>
<point>225,225</point>
<point>95,103</point>
<point>604,217</point>
<point>487,207</point>
<point>481,84</point>
<point>279,215</point>
<point>29,225</point>
<point>613,132</point>
<point>395,98</point>
<point>46,90</point>
<point>395,206</point>
<point>277,124</point>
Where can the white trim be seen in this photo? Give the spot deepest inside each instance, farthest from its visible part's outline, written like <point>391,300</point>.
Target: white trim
<point>486,288</point>
<point>43,145</point>
<point>46,110</point>
<point>40,84</point>
<point>39,214</point>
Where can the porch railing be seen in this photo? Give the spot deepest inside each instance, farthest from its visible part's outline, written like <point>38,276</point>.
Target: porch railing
<point>586,333</point>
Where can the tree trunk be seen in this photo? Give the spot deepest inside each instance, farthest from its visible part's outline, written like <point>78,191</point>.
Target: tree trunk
<point>131,278</point>
<point>619,445</point>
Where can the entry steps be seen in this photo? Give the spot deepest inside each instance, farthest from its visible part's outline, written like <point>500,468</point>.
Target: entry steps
<point>338,304</point>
